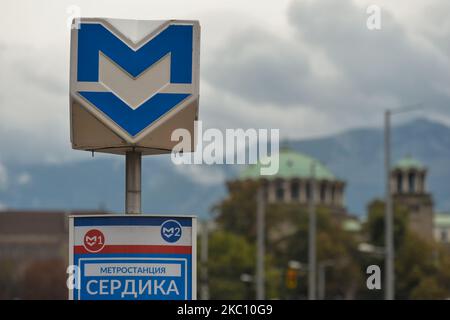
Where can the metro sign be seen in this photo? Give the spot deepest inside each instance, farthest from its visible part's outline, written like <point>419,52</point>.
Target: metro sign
<point>133,83</point>
<point>133,257</point>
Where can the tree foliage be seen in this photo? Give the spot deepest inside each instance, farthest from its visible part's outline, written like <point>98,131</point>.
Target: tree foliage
<point>287,239</point>
<point>230,257</point>
<point>422,268</point>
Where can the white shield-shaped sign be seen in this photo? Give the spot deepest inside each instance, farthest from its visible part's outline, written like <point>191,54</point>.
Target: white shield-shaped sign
<point>132,83</point>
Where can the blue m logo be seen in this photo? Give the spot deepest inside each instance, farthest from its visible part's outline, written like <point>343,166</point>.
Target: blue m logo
<point>115,96</point>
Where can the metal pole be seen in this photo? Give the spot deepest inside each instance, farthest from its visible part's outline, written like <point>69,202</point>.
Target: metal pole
<point>312,237</point>
<point>260,227</point>
<point>204,260</point>
<point>133,182</point>
<point>389,219</point>
<point>321,286</point>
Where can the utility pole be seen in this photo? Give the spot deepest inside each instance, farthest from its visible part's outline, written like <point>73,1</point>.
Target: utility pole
<point>389,219</point>
<point>322,277</point>
<point>204,291</point>
<point>260,230</point>
<point>389,214</point>
<point>321,281</point>
<point>312,236</point>
<point>133,165</point>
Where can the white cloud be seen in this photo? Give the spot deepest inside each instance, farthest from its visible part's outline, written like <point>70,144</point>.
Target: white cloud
<point>368,71</point>
<point>324,72</point>
<point>223,110</point>
<point>202,174</point>
<point>24,179</point>
<point>3,177</point>
<point>34,58</point>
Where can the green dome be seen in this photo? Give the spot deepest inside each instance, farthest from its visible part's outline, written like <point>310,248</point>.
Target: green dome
<point>442,220</point>
<point>409,163</point>
<point>351,225</point>
<point>292,165</point>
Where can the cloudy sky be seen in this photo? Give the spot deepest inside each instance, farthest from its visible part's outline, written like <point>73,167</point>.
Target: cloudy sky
<point>309,68</point>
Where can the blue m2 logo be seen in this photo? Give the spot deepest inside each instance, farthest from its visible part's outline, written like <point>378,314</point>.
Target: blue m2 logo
<point>171,231</point>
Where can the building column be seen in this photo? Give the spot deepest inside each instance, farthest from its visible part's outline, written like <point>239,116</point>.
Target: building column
<point>329,193</point>
<point>297,183</point>
<point>287,190</point>
<point>417,182</point>
<point>333,193</point>
<point>302,195</point>
<point>393,182</point>
<point>340,191</point>
<point>422,182</point>
<point>317,192</point>
<point>324,185</point>
<point>405,182</point>
<point>271,191</point>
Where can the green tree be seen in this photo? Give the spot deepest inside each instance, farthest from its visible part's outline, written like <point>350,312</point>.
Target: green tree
<point>237,213</point>
<point>375,223</point>
<point>422,268</point>
<point>287,239</point>
<point>230,256</point>
<point>335,247</point>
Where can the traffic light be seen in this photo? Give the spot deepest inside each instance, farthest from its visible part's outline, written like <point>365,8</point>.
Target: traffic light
<point>291,278</point>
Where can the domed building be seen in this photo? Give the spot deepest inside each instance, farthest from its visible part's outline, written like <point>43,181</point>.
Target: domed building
<point>293,182</point>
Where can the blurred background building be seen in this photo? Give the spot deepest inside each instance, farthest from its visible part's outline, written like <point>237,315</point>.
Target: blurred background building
<point>346,244</point>
<point>442,227</point>
<point>34,253</point>
<point>292,183</point>
<point>34,244</point>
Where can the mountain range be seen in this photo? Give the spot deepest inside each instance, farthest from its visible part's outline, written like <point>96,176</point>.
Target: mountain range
<point>355,156</point>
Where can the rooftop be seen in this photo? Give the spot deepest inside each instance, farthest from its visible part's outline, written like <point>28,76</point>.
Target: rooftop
<point>442,220</point>
<point>409,162</point>
<point>351,225</point>
<point>292,165</point>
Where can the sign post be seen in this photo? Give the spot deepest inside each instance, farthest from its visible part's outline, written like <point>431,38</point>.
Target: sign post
<point>133,183</point>
<point>132,83</point>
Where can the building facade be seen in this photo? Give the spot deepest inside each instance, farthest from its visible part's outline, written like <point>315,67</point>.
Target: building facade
<point>442,228</point>
<point>298,174</point>
<point>34,253</point>
<point>408,186</point>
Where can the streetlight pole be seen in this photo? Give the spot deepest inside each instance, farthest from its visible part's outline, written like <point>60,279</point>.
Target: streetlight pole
<point>389,219</point>
<point>204,291</point>
<point>260,228</point>
<point>322,277</point>
<point>389,215</point>
<point>312,237</point>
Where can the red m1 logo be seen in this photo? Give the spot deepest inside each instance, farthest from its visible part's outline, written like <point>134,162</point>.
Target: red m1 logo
<point>94,240</point>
